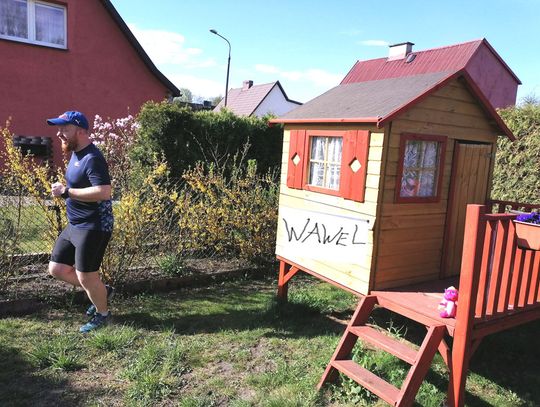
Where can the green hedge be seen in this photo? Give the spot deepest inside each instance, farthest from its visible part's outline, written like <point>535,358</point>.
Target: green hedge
<point>517,167</point>
<point>185,137</point>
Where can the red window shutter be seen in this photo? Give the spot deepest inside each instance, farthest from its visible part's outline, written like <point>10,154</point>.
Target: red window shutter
<point>354,165</point>
<point>295,170</point>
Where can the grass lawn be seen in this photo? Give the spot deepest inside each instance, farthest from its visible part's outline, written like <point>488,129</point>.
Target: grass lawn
<point>232,345</point>
<point>30,223</point>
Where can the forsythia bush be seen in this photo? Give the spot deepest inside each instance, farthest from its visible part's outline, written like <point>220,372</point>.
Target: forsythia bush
<point>21,174</point>
<point>28,186</point>
<point>236,215</point>
<point>220,208</point>
<point>144,226</point>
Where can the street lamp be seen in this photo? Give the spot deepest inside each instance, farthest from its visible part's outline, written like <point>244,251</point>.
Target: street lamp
<point>228,63</point>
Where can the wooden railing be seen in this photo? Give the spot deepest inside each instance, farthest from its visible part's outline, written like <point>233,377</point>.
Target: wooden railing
<point>499,278</point>
<point>498,286</point>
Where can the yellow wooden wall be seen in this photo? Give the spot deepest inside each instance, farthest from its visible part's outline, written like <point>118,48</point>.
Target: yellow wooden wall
<point>353,275</point>
<point>409,237</point>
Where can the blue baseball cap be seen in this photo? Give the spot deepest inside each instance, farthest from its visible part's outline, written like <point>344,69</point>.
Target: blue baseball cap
<point>72,117</point>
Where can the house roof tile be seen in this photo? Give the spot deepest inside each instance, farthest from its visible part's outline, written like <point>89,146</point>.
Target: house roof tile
<point>379,101</point>
<point>243,102</point>
<point>364,100</point>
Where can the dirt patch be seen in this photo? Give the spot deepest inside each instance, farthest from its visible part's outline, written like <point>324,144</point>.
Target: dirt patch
<point>34,285</point>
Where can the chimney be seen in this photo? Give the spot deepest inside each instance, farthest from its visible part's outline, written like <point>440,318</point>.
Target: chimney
<point>246,85</point>
<point>399,51</point>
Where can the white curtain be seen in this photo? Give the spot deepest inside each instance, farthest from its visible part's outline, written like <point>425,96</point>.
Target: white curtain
<point>14,18</point>
<point>420,168</point>
<point>50,24</point>
<point>325,162</point>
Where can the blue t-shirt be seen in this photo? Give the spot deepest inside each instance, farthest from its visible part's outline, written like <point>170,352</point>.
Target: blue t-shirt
<point>88,168</point>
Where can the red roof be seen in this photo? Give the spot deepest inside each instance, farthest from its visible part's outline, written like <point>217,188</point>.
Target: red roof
<point>450,58</point>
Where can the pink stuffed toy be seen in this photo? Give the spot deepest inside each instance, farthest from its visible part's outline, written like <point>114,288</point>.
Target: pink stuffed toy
<point>448,305</point>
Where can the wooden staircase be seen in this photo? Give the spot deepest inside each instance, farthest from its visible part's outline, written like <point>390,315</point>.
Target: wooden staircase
<point>420,360</point>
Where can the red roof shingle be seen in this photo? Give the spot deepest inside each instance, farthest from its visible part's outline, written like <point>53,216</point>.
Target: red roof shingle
<point>451,58</point>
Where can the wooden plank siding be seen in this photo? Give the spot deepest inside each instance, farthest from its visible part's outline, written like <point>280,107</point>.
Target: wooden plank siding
<point>410,236</point>
<point>353,275</point>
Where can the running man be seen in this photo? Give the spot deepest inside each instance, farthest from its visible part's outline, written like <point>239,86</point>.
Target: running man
<point>79,250</point>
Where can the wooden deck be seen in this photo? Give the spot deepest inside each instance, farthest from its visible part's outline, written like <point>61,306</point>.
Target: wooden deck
<point>419,302</point>
<point>499,288</point>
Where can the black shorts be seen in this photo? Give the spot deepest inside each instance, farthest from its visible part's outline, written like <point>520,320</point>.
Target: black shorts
<point>80,247</point>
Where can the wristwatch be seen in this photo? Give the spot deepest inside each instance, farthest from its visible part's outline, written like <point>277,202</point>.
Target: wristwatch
<point>65,194</point>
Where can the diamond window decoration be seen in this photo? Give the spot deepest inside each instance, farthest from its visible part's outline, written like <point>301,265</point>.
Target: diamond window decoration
<point>296,159</point>
<point>355,165</point>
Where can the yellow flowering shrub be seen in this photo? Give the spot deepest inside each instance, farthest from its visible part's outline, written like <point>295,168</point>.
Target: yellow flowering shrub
<point>144,225</point>
<point>234,214</point>
<point>22,174</point>
<point>26,185</point>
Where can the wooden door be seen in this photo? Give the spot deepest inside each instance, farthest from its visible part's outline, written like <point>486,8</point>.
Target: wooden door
<point>470,178</point>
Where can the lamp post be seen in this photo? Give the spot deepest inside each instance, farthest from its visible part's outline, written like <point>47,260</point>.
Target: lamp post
<point>228,63</point>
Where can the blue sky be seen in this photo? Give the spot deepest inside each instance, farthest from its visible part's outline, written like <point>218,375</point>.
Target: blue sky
<point>309,45</point>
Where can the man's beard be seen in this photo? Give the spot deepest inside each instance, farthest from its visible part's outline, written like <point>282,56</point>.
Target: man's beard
<point>68,146</point>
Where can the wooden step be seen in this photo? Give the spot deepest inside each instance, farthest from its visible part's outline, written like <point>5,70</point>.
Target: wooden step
<point>365,378</point>
<point>382,341</point>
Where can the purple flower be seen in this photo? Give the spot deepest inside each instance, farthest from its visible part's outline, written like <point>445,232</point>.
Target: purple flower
<point>533,217</point>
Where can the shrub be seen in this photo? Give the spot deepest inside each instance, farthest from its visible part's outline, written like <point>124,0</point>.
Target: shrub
<point>144,225</point>
<point>518,163</point>
<point>26,185</point>
<point>25,176</point>
<point>185,137</point>
<point>235,215</point>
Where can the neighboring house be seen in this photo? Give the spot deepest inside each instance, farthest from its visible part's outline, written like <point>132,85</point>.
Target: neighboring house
<point>377,171</point>
<point>258,100</point>
<point>478,58</point>
<point>70,54</point>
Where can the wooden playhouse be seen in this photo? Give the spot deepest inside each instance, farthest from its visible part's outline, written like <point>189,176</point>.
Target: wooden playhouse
<point>378,178</point>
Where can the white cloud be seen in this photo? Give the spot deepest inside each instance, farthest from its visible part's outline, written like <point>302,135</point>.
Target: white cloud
<point>322,78</point>
<point>266,68</point>
<point>374,43</point>
<point>165,47</point>
<point>313,76</point>
<point>292,75</point>
<point>205,88</point>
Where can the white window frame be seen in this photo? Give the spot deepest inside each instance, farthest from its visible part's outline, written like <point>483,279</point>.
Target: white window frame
<point>31,20</point>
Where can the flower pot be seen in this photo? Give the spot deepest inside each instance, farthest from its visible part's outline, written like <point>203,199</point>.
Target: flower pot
<point>528,235</point>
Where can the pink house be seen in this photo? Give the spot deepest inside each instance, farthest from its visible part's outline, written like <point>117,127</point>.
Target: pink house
<point>258,100</point>
<point>65,55</point>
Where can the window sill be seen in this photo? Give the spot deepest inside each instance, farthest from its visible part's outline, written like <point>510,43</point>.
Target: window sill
<point>35,43</point>
<point>321,190</point>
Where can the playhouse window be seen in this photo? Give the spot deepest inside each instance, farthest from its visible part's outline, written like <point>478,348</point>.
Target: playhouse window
<point>331,162</point>
<point>34,22</point>
<point>422,163</point>
<point>325,162</point>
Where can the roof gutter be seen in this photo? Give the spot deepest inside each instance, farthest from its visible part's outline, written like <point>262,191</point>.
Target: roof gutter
<point>329,120</point>
<point>140,50</point>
